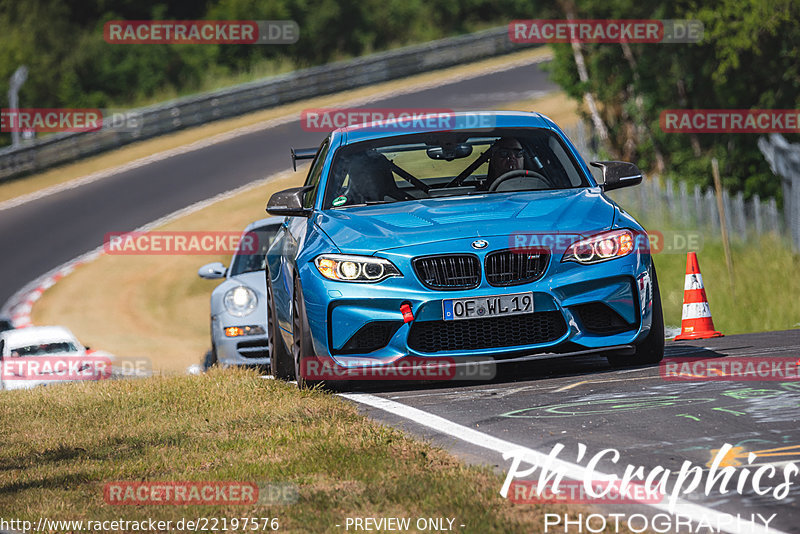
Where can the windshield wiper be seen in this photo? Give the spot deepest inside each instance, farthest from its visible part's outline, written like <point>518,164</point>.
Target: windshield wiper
<point>362,204</point>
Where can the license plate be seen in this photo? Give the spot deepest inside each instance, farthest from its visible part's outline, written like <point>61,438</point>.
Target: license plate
<point>492,306</point>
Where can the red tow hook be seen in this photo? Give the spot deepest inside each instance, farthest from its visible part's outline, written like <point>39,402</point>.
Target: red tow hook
<point>408,316</point>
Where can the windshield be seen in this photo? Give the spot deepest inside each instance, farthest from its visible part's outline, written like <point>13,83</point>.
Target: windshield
<point>43,349</point>
<point>436,165</point>
<point>248,260</point>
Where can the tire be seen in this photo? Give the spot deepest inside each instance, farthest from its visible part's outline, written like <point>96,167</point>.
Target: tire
<point>210,359</point>
<point>651,349</point>
<point>280,361</point>
<point>302,348</point>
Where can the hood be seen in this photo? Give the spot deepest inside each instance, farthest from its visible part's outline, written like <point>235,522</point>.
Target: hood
<point>369,229</point>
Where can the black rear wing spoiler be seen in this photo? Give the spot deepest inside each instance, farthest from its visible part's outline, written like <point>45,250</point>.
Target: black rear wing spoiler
<point>302,153</point>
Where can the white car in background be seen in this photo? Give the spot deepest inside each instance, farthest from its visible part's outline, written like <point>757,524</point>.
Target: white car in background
<point>41,355</point>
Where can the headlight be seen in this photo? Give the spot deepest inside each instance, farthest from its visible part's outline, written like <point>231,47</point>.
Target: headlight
<point>240,301</point>
<point>346,268</point>
<point>601,247</point>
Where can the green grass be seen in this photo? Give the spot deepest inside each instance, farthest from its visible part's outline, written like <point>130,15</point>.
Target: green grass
<point>62,444</point>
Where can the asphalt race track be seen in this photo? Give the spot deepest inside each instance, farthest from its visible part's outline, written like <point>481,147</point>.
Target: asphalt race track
<point>651,421</point>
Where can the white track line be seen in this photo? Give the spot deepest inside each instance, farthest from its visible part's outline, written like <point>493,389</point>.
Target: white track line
<point>244,130</point>
<point>572,471</point>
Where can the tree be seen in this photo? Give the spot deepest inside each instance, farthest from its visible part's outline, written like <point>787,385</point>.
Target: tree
<point>746,60</point>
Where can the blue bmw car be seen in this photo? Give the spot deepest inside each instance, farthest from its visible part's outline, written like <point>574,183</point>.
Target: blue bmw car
<point>408,241</point>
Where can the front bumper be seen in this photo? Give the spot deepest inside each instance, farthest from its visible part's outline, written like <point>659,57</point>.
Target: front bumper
<point>240,350</point>
<point>576,306</point>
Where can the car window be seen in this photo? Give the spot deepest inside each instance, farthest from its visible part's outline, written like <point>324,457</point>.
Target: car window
<point>251,253</point>
<point>42,349</point>
<point>315,173</point>
<point>425,165</point>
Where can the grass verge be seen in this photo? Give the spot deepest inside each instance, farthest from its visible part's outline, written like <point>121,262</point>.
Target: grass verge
<point>63,444</point>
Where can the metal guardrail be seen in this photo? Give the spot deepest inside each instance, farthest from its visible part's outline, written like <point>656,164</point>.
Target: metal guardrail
<point>784,160</point>
<point>202,108</point>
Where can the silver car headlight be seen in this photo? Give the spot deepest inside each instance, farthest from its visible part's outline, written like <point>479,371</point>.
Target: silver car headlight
<point>240,301</point>
<point>353,268</point>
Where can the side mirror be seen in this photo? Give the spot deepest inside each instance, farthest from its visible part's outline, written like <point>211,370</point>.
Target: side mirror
<point>212,271</point>
<point>289,202</point>
<point>302,153</point>
<point>617,174</point>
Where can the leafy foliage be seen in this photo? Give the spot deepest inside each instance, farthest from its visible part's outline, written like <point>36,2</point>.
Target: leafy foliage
<point>71,65</point>
<point>746,60</point>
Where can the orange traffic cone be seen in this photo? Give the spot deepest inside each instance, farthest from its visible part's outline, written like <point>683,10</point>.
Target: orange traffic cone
<point>696,320</point>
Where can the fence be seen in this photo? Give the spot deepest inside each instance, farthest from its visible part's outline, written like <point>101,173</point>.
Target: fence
<point>662,200</point>
<point>274,91</point>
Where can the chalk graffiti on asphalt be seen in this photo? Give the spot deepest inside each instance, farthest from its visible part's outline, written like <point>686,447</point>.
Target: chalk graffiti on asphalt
<point>620,404</point>
<point>734,456</point>
<point>606,406</point>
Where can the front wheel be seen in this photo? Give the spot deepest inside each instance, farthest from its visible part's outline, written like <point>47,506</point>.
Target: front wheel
<point>210,359</point>
<point>302,348</point>
<point>651,349</point>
